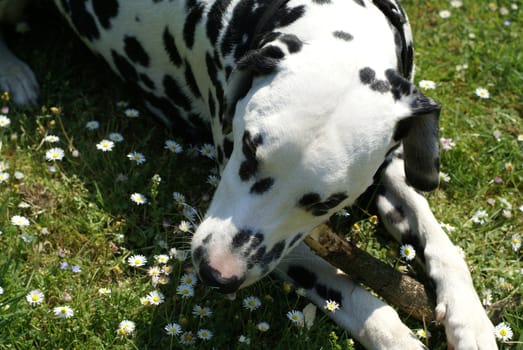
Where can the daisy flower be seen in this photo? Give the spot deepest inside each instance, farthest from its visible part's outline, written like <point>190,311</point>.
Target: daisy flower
<point>4,121</point>
<point>179,198</point>
<point>456,3</point>
<point>131,113</point>
<point>487,297</point>
<point>154,271</point>
<point>63,312</point>
<point>19,175</point>
<point>503,332</point>
<point>20,221</point>
<point>331,305</point>
<point>208,151</point>
<point>4,166</point>
<point>1,290</point>
<point>427,84</point>
<point>126,327</point>
<point>180,255</point>
<point>444,176</point>
<point>54,154</point>
<point>173,329</point>
<point>295,316</point>
<point>155,298</point>
<point>162,259</point>
<point>245,340</point>
<point>251,303</point>
<point>167,269</point>
<point>204,334</point>
<point>263,326</point>
<point>51,139</point>
<point>447,144</point>
<point>189,279</point>
<point>115,137</point>
<point>137,157</point>
<point>213,180</point>
<point>444,14</point>
<point>201,312</point>
<point>137,260</point>
<point>407,252</point>
<point>173,146</point>
<point>184,226</point>
<point>185,290</point>
<point>104,291</point>
<point>460,251</point>
<point>515,242</point>
<point>482,93</point>
<point>480,217</point>
<point>189,212</point>
<point>187,338</point>
<point>122,104</point>
<point>35,297</point>
<point>138,198</point>
<point>92,125</point>
<point>105,145</point>
<point>3,177</point>
<point>423,334</point>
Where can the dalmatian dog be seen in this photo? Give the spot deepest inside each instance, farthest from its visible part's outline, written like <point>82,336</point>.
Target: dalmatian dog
<point>309,102</point>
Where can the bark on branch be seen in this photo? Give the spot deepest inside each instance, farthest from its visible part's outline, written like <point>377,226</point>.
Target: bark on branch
<point>406,293</point>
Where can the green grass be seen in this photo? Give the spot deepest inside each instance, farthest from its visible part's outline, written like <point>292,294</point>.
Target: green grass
<point>90,221</point>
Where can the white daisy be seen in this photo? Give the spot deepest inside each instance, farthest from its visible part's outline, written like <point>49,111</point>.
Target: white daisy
<point>104,291</point>
<point>54,154</point>
<point>482,93</point>
<point>263,326</point>
<point>105,145</point>
<point>137,157</point>
<point>295,316</point>
<point>185,290</point>
<point>503,332</point>
<point>92,125</point>
<point>138,198</point>
<point>173,146</point>
<point>51,139</point>
<point>480,217</point>
<point>132,113</point>
<point>115,137</point>
<point>184,226</point>
<point>407,252</point>
<point>3,177</point>
<point>126,327</point>
<point>162,259</point>
<point>35,297</point>
<point>201,312</point>
<point>155,298</point>
<point>63,311</point>
<point>251,303</point>
<point>4,166</point>
<point>208,151</point>
<point>444,14</point>
<point>4,121</point>
<point>173,329</point>
<point>20,221</point>
<point>137,260</point>
<point>331,305</point>
<point>204,334</point>
<point>427,84</point>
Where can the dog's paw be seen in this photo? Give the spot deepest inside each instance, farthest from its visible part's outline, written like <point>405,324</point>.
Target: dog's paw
<point>459,309</point>
<point>18,80</point>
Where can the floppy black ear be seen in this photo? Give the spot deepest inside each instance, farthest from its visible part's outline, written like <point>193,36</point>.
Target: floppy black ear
<point>419,137</point>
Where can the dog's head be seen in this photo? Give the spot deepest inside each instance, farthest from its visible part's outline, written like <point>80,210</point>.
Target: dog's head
<point>306,145</point>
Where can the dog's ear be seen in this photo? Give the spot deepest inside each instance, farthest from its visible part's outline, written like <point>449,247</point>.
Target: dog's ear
<point>418,133</point>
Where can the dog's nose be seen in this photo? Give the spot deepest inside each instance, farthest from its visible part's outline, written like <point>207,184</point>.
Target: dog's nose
<point>213,278</point>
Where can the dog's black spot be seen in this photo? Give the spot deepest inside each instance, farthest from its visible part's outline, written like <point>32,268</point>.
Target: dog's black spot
<point>380,86</point>
<point>191,21</point>
<point>367,75</point>
<point>257,239</point>
<point>105,10</point>
<point>303,277</point>
<point>241,238</point>
<point>295,239</point>
<point>126,69</point>
<point>82,20</point>
<point>147,81</point>
<point>135,51</point>
<point>207,239</point>
<point>197,254</point>
<point>219,154</point>
<point>214,19</point>
<point>249,166</point>
<point>171,48</point>
<point>190,80</point>
<point>228,146</point>
<point>329,293</point>
<point>399,86</point>
<point>322,2</point>
<point>360,2</point>
<point>175,94</point>
<point>340,34</point>
<point>262,186</point>
<point>309,199</point>
<point>262,61</point>
<point>256,257</point>
<point>293,43</point>
<point>274,254</point>
<point>248,169</point>
<point>211,104</point>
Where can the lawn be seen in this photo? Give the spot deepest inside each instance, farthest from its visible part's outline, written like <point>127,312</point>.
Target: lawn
<point>94,235</point>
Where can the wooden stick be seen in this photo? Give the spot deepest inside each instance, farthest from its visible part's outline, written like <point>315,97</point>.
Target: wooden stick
<point>406,293</point>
